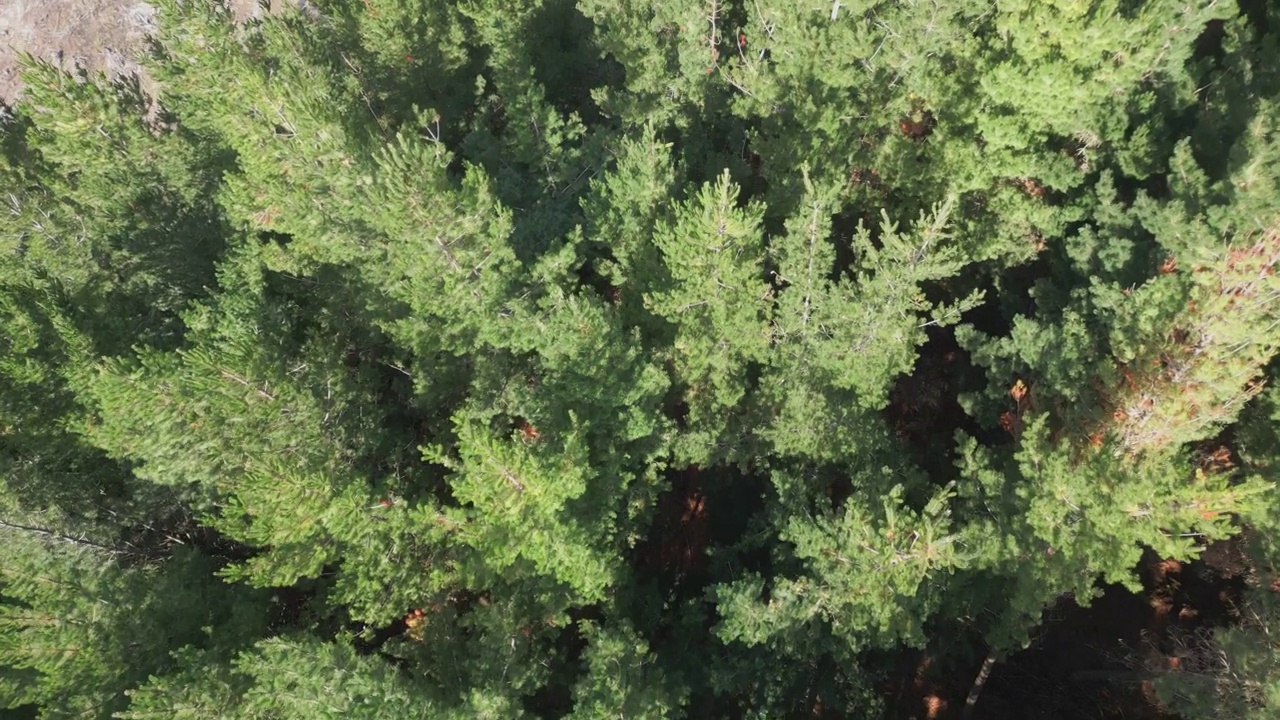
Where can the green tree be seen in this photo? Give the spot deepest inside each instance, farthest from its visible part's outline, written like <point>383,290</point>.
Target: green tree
<point>80,630</point>
<point>675,358</point>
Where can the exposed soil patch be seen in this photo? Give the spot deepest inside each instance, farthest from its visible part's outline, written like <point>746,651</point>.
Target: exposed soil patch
<point>101,35</point>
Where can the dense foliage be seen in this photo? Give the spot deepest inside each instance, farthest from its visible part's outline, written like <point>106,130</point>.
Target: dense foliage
<point>629,358</point>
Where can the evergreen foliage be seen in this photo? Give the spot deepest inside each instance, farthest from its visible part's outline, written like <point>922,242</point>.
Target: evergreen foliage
<point>622,358</point>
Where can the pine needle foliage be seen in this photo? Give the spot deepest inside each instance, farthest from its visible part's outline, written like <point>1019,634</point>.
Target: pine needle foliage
<point>629,358</point>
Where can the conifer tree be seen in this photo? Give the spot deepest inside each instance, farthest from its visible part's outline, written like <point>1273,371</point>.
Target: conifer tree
<point>717,300</point>
<point>622,678</point>
<point>560,358</point>
<point>1233,673</point>
<point>96,200</point>
<point>79,630</point>
<point>303,677</point>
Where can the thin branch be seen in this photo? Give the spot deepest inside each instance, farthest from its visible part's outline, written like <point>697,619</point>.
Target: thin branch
<point>43,532</point>
<point>232,376</point>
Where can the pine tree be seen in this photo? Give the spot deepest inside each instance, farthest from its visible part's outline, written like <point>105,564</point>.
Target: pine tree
<point>80,630</point>
<point>717,301</point>
<point>97,198</point>
<point>300,678</point>
<point>559,358</point>
<point>844,342</point>
<point>623,679</point>
<point>1233,673</point>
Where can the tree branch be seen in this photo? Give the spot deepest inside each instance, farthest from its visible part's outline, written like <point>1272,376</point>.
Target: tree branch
<point>43,532</point>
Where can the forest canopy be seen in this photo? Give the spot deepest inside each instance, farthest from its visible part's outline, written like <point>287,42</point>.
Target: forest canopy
<point>637,358</point>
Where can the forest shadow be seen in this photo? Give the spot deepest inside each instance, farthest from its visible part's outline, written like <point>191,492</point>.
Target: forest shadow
<point>1099,662</point>
<point>703,510</point>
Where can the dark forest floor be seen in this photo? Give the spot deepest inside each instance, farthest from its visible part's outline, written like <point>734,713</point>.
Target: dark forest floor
<point>1096,662</point>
